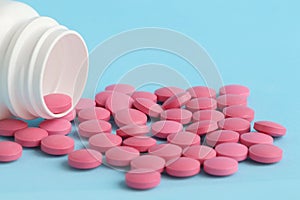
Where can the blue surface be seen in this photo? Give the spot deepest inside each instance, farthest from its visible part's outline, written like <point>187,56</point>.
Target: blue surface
<point>255,43</point>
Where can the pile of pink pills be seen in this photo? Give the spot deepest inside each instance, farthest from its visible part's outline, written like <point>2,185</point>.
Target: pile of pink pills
<point>172,131</point>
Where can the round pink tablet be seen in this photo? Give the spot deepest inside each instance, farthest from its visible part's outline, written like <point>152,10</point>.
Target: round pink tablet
<point>202,103</point>
<point>270,128</point>
<point>101,98</point>
<point>131,130</point>
<point>121,156</point>
<point>177,100</point>
<point>56,126</point>
<point>144,95</point>
<point>104,141</point>
<point>220,166</point>
<point>141,143</point>
<point>202,91</point>
<point>166,151</point>
<point>148,107</point>
<point>166,92</point>
<point>252,138</point>
<point>235,124</point>
<point>93,113</point>
<point>231,100</point>
<point>235,89</point>
<point>118,101</point>
<point>237,151</point>
<point>152,162</point>
<point>84,103</point>
<point>183,167</point>
<point>129,116</point>
<point>162,129</point>
<point>180,115</point>
<point>200,153</point>
<point>265,153</point>
<point>85,159</point>
<point>30,137</point>
<point>57,145</point>
<point>142,179</point>
<point>238,111</point>
<point>208,115</point>
<point>94,126</point>
<point>70,116</point>
<point>58,103</point>
<point>202,127</point>
<point>184,139</point>
<point>8,127</point>
<point>221,136</point>
<point>122,88</point>
<point>10,151</point>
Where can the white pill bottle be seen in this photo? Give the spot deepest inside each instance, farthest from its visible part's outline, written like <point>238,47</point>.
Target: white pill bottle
<point>38,56</point>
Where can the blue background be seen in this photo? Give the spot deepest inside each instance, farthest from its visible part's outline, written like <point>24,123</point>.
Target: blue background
<point>255,43</point>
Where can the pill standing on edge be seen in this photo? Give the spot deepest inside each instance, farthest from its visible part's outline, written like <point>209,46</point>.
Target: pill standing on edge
<point>202,103</point>
<point>144,95</point>
<point>56,126</point>
<point>235,124</point>
<point>213,115</point>
<point>104,141</point>
<point>141,143</point>
<point>177,100</point>
<point>94,126</point>
<point>220,166</point>
<point>8,127</point>
<point>142,179</point>
<point>118,101</point>
<point>85,159</point>
<point>30,137</point>
<point>162,129</point>
<point>166,151</point>
<point>202,127</point>
<point>265,153</point>
<point>270,128</point>
<point>221,136</point>
<point>10,151</point>
<point>184,139</point>
<point>58,103</point>
<point>121,156</point>
<point>148,107</point>
<point>120,87</point>
<point>131,130</point>
<point>252,138</point>
<point>183,167</point>
<point>93,113</point>
<point>235,89</point>
<point>202,91</point>
<point>166,92</point>
<point>234,150</point>
<point>180,115</point>
<point>57,145</point>
<point>199,152</point>
<point>239,111</point>
<point>129,116</point>
<point>231,100</point>
<point>148,162</point>
<point>84,103</point>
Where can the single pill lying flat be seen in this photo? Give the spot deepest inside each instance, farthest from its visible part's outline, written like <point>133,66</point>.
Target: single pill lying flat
<point>252,138</point>
<point>142,179</point>
<point>200,153</point>
<point>118,101</point>
<point>148,107</point>
<point>84,103</point>
<point>166,92</point>
<point>202,91</point>
<point>183,167</point>
<point>85,159</point>
<point>101,98</point>
<point>58,103</point>
<point>94,126</point>
<point>131,130</point>
<point>129,116</point>
<point>235,89</point>
<point>102,142</point>
<point>70,116</point>
<point>177,100</point>
<point>8,127</point>
<point>221,136</point>
<point>213,115</point>
<point>144,95</point>
<point>239,111</point>
<point>270,128</point>
<point>10,151</point>
<point>30,137</point>
<point>237,151</point>
<point>202,127</point>
<point>202,103</point>
<point>235,124</point>
<point>151,162</point>
<point>121,156</point>
<point>141,143</point>
<point>184,139</point>
<point>166,151</point>
<point>57,145</point>
<point>122,88</point>
<point>265,153</point>
<point>56,126</point>
<point>220,166</point>
<point>180,115</point>
<point>231,100</point>
<point>93,113</point>
<point>162,129</point>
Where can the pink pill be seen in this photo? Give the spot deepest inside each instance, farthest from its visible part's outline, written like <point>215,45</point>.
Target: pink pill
<point>252,138</point>
<point>142,179</point>
<point>30,137</point>
<point>10,151</point>
<point>270,128</point>
<point>8,127</point>
<point>235,89</point>
<point>202,103</point>
<point>177,100</point>
<point>122,88</point>
<point>231,100</point>
<point>184,139</point>
<point>57,145</point>
<point>58,103</point>
<point>202,91</point>
<point>102,142</point>
<point>84,103</point>
<point>151,162</point>
<point>56,126</point>
<point>183,167</point>
<point>202,127</point>
<point>93,113</point>
<point>144,95</point>
<point>85,159</point>
<point>70,116</point>
<point>221,136</point>
<point>118,101</point>
<point>166,151</point>
<point>265,153</point>
<point>166,92</point>
<point>132,130</point>
<point>180,115</point>
<point>235,124</point>
<point>243,112</point>
<point>148,107</point>
<point>200,153</point>
<point>237,151</point>
<point>141,143</point>
<point>213,115</point>
<point>162,129</point>
<point>129,116</point>
<point>121,156</point>
<point>101,98</point>
<point>94,126</point>
<point>220,166</point>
